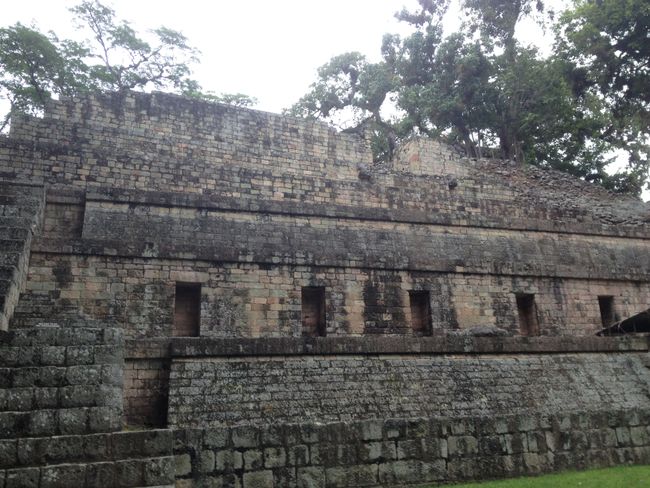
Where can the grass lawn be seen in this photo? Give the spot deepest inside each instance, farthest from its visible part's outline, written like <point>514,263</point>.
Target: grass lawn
<point>619,477</point>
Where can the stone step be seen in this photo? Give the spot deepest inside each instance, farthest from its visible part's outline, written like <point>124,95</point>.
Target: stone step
<point>28,201</point>
<point>20,210</point>
<point>134,458</point>
<point>61,335</point>
<point>59,421</point>
<point>5,285</point>
<point>15,233</point>
<point>41,398</point>
<point>129,473</point>
<point>7,272</point>
<point>17,221</point>
<point>59,376</point>
<point>11,189</point>
<point>9,258</point>
<point>12,245</point>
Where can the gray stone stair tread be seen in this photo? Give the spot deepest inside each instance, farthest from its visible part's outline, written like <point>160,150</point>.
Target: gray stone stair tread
<point>7,232</point>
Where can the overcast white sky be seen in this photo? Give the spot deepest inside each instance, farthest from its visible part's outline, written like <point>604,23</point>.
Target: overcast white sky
<point>268,49</point>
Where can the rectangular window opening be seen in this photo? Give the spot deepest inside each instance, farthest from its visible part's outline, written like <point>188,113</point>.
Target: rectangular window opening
<point>187,310</point>
<point>313,311</point>
<point>420,302</point>
<point>527,310</point>
<point>607,314</point>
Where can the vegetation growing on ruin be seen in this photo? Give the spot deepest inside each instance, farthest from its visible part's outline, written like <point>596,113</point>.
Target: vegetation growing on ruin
<point>36,66</point>
<point>618,477</point>
<point>576,109</point>
<point>483,89</point>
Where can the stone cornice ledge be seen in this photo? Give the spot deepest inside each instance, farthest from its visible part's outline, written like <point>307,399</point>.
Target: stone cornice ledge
<point>291,346</point>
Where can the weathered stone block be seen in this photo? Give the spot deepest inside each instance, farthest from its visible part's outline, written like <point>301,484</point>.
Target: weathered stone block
<point>245,436</point>
<point>42,423</point>
<point>460,446</point>
<point>253,460</point>
<point>22,478</point>
<point>159,471</point>
<point>206,461</point>
<point>227,460</point>
<point>275,457</point>
<point>216,438</point>
<point>411,471</point>
<point>411,449</point>
<point>372,430</point>
<point>182,464</point>
<point>72,421</point>
<point>639,436</point>
<point>311,477</point>
<point>63,476</point>
<point>377,452</point>
<point>100,474</point>
<point>298,455</point>
<point>348,476</point>
<point>8,453</point>
<point>258,479</point>
<point>129,472</point>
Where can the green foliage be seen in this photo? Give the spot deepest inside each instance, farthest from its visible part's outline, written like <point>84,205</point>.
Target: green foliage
<point>34,67</point>
<point>124,60</point>
<point>234,99</point>
<point>347,81</point>
<point>607,43</point>
<point>480,88</point>
<point>350,94</point>
<point>618,477</point>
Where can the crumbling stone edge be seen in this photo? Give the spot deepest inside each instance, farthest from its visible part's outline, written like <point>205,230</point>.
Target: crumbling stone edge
<point>407,451</point>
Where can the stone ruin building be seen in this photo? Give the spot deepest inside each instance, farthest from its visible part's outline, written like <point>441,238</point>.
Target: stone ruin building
<point>198,295</point>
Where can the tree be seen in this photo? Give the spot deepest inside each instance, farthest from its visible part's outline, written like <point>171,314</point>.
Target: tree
<point>127,61</point>
<point>34,67</point>
<point>480,88</point>
<point>607,43</point>
<point>350,94</point>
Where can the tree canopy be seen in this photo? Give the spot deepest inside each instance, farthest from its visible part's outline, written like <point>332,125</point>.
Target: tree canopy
<point>36,66</point>
<point>575,109</point>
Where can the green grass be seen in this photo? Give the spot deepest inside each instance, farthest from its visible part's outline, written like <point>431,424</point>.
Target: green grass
<point>619,477</point>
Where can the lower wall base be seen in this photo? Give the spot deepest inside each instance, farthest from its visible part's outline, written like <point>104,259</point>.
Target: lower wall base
<point>116,459</point>
<point>405,451</point>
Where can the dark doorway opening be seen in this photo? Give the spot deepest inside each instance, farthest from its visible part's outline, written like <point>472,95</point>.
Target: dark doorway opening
<point>606,305</point>
<point>420,302</point>
<point>528,324</point>
<point>313,311</point>
<point>187,310</point>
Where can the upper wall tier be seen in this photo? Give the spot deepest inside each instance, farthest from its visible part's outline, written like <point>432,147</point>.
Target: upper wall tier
<point>240,158</point>
<point>170,137</point>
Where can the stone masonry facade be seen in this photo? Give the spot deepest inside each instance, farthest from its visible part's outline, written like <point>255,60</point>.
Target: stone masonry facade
<point>204,295</point>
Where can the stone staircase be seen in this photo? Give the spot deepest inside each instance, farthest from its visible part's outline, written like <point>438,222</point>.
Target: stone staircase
<point>21,214</point>
<point>61,412</point>
<point>118,459</point>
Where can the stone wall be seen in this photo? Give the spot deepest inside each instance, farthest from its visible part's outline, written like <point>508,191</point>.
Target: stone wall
<point>365,379</point>
<point>21,214</point>
<point>61,408</point>
<point>166,141</point>
<point>244,158</point>
<point>258,300</point>
<point>106,460</point>
<point>394,452</point>
<point>274,239</point>
<point>58,380</point>
<point>144,194</point>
